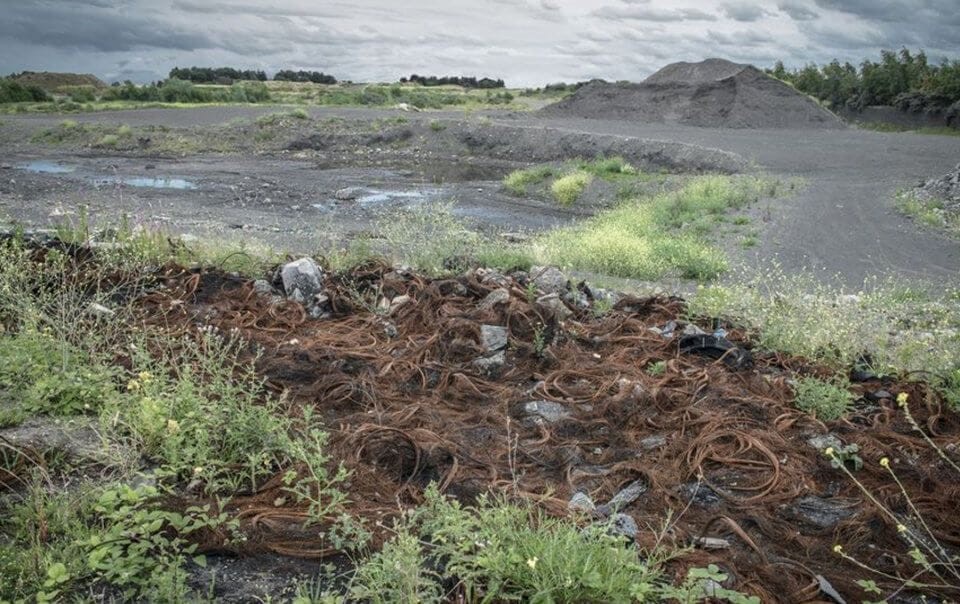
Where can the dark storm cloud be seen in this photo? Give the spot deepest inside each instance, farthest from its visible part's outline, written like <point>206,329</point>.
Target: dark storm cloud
<point>798,10</point>
<point>743,11</point>
<point>94,26</point>
<point>523,41</point>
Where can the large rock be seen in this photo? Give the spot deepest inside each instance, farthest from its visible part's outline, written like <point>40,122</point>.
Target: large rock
<point>302,280</point>
<point>494,337</point>
<point>548,279</point>
<point>545,411</point>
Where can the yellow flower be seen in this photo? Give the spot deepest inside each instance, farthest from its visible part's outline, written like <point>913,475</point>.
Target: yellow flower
<point>901,528</point>
<point>133,385</point>
<point>838,549</point>
<point>828,451</point>
<point>145,376</point>
<point>902,399</point>
<point>173,426</point>
<point>884,462</point>
<point>532,562</point>
<point>197,470</point>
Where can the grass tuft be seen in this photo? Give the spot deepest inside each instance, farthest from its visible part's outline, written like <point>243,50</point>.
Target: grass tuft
<point>568,188</point>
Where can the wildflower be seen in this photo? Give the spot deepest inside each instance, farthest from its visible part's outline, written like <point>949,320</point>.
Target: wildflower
<point>133,385</point>
<point>532,562</point>
<point>145,376</point>
<point>901,528</point>
<point>828,451</point>
<point>885,462</point>
<point>173,426</point>
<point>197,470</point>
<point>902,399</point>
<point>838,549</point>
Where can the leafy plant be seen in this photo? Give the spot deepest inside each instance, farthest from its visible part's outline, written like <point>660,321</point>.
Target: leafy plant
<point>568,188</point>
<point>826,400</point>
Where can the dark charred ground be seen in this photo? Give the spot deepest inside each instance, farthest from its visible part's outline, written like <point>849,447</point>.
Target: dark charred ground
<point>843,222</point>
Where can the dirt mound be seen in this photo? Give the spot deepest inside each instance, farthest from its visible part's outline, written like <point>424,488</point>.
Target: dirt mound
<point>712,93</point>
<point>55,82</point>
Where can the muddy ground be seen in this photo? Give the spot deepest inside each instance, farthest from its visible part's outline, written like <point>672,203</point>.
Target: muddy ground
<point>842,222</point>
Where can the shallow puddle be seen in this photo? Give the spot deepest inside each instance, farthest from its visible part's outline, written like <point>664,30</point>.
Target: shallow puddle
<point>46,167</point>
<point>149,183</point>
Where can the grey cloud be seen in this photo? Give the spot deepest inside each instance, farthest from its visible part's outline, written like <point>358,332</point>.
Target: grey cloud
<point>743,11</point>
<point>643,13</point>
<point>798,11</point>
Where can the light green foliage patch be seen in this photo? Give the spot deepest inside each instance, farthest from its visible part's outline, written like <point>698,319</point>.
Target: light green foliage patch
<point>929,211</point>
<point>826,400</point>
<point>568,188</point>
<point>518,181</point>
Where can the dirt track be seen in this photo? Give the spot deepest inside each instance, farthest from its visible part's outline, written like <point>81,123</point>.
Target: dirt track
<point>843,222</point>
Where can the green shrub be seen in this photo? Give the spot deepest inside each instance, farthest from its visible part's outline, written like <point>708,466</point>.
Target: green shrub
<point>108,140</point>
<point>398,573</point>
<point>517,181</point>
<point>12,91</point>
<point>568,188</point>
<point>608,167</point>
<point>827,401</point>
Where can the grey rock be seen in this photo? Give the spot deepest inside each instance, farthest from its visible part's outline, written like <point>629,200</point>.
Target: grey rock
<point>348,193</point>
<point>700,494</point>
<point>75,438</point>
<point>711,543</point>
<point>545,411</point>
<point>497,296</point>
<point>263,287</point>
<point>820,512</point>
<point>491,276</point>
<point>397,303</point>
<point>653,442</point>
<point>692,330</point>
<point>100,310</point>
<point>553,303</point>
<point>581,502</point>
<point>627,495</point>
<point>494,337</point>
<point>548,279</point>
<point>622,525</point>
<point>491,364</point>
<point>822,441</point>
<point>302,280</point>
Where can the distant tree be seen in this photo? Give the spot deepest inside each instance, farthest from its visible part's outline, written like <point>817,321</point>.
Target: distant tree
<point>464,81</point>
<point>317,77</point>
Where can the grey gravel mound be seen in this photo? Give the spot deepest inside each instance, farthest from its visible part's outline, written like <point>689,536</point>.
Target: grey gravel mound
<point>714,93</point>
<point>945,189</point>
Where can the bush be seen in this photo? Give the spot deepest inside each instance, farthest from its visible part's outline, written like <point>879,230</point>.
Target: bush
<point>567,189</point>
<point>12,91</point>
<point>517,181</point>
<point>828,401</point>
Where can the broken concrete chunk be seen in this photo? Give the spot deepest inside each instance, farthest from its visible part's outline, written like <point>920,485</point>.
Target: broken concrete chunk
<point>497,296</point>
<point>491,364</point>
<point>548,279</point>
<point>553,303</point>
<point>302,279</point>
<point>493,337</point>
<point>545,411</point>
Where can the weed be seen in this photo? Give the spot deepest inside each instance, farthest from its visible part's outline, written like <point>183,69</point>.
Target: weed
<point>398,573</point>
<point>437,126</point>
<point>427,235</point>
<point>749,241</point>
<point>657,368</point>
<point>608,167</point>
<point>568,188</point>
<point>124,131</point>
<point>928,210</point>
<point>517,181</point>
<point>827,401</point>
<point>108,140</point>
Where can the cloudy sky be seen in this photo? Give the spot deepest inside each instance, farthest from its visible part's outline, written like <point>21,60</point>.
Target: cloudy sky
<point>526,42</point>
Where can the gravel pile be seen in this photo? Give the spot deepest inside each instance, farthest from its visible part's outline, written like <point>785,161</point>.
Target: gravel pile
<point>945,188</point>
<point>713,93</point>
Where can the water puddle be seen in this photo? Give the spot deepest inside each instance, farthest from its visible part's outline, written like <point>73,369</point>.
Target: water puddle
<point>149,183</point>
<point>375,197</point>
<point>46,167</point>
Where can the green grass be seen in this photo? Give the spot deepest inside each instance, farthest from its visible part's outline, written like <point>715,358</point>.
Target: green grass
<point>567,189</point>
<point>518,181</point>
<point>902,329</point>
<point>929,211</point>
<point>608,167</point>
<point>650,238</point>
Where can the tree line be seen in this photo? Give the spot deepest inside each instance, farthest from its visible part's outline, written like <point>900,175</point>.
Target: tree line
<point>229,75</point>
<point>904,79</point>
<point>466,82</point>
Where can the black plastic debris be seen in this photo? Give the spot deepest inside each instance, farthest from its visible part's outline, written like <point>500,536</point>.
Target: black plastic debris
<point>716,347</point>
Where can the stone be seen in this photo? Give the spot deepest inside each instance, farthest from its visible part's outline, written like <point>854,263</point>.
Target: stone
<point>692,330</point>
<point>493,337</point>
<point>545,411</point>
<point>263,287</point>
<point>820,512</point>
<point>348,193</point>
<point>653,442</point>
<point>398,302</point>
<point>581,502</point>
<point>548,279</point>
<point>100,310</point>
<point>497,296</point>
<point>700,494</point>
<point>622,525</point>
<point>822,441</point>
<point>302,279</point>
<point>490,364</point>
<point>627,495</point>
<point>553,303</point>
